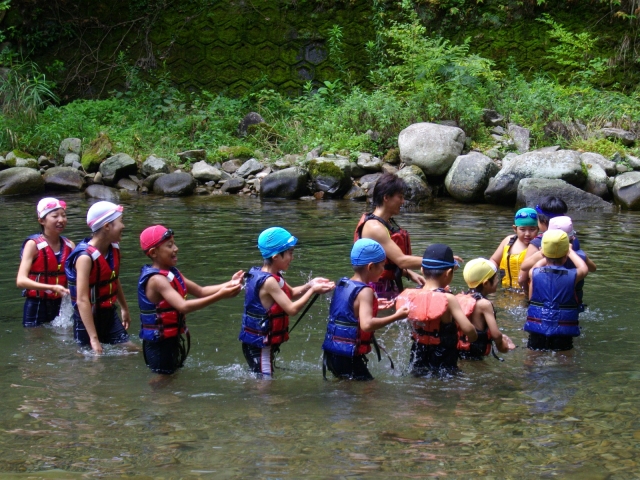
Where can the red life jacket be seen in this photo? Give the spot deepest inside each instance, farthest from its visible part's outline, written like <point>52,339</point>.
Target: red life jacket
<point>426,308</point>
<point>160,320</point>
<point>468,304</point>
<point>45,268</point>
<point>398,235</point>
<point>102,279</point>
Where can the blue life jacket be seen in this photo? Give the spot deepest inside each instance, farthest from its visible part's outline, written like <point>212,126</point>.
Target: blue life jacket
<point>344,335</point>
<point>580,284</point>
<point>262,327</point>
<point>160,320</point>
<point>553,307</point>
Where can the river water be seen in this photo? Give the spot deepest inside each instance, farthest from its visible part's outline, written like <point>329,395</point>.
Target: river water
<point>69,415</point>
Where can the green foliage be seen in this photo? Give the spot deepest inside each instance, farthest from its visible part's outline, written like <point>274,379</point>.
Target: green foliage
<point>602,146</point>
<point>25,91</point>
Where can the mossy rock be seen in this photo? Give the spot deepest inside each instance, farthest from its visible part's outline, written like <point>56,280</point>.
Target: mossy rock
<point>98,150</point>
<point>333,177</point>
<point>264,131</point>
<point>243,153</point>
<point>330,169</point>
<point>22,154</point>
<point>392,156</point>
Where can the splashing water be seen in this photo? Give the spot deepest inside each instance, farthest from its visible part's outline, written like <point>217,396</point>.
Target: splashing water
<point>64,318</point>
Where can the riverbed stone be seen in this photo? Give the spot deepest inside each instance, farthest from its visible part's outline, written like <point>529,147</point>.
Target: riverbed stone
<point>596,181</point>
<point>233,185</point>
<point>634,162</point>
<point>591,158</point>
<point>563,165</point>
<point>116,167</point>
<point>331,175</point>
<point>626,190</point>
<point>203,172</point>
<point>70,145</point>
<point>175,184</point>
<point>193,155</point>
<point>20,181</point>
<point>532,190</point>
<point>99,149</point>
<point>469,176</point>
<point>417,191</point>
<point>369,163</point>
<point>250,167</point>
<point>150,180</point>
<point>127,184</point>
<point>154,165</point>
<point>102,192</point>
<point>356,193</point>
<point>63,178</point>
<point>45,162</point>
<point>491,118</point>
<point>431,147</point>
<point>625,137</point>
<point>231,166</point>
<point>520,137</point>
<point>70,159</point>
<point>287,183</point>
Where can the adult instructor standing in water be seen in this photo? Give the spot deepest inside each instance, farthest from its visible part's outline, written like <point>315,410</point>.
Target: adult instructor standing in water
<point>388,197</point>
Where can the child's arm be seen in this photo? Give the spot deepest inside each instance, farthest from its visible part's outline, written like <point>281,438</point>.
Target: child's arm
<point>531,249</point>
<point>23,281</point>
<point>461,319</point>
<point>124,308</point>
<point>503,343</point>
<point>301,289</point>
<point>273,291</point>
<point>529,262</point>
<point>497,255</point>
<point>199,292</point>
<point>590,265</point>
<point>161,285</point>
<point>364,311</point>
<point>83,271</point>
<point>581,268</point>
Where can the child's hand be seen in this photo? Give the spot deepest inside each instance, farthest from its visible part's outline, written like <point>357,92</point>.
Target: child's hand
<point>402,312</point>
<point>238,277</point>
<point>458,259</point>
<point>96,346</point>
<point>126,318</point>
<point>230,290</point>
<point>384,304</point>
<point>60,290</point>
<point>509,343</point>
<point>321,285</point>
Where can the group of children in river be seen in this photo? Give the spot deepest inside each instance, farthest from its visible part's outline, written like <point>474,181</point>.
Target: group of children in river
<point>543,257</point>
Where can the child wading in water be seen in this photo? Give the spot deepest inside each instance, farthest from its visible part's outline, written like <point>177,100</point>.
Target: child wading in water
<point>512,250</point>
<point>92,271</point>
<point>162,292</point>
<point>481,275</point>
<point>269,300</point>
<point>352,317</point>
<point>41,273</point>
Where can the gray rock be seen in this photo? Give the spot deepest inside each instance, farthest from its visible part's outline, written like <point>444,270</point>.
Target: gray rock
<point>63,178</point>
<point>493,153</point>
<point>20,181</point>
<point>369,163</point>
<point>634,162</point>
<point>388,168</point>
<point>373,135</point>
<point>77,166</point>
<point>251,118</point>
<point>625,137</point>
<point>103,193</point>
<point>230,166</point>
<point>116,167</point>
<point>563,165</point>
<point>621,168</point>
<point>469,176</point>
<point>370,178</point>
<point>498,130</point>
<point>70,145</point>
<point>596,183</point>
<point>491,118</point>
<point>175,184</point>
<point>626,190</point>
<point>127,184</point>
<point>26,162</point>
<point>153,165</point>
<point>193,155</point>
<point>203,172</point>
<point>497,138</point>
<point>590,158</point>
<point>532,190</point>
<point>331,176</point>
<point>520,137</point>
<point>555,148</point>
<point>356,193</point>
<point>233,185</point>
<point>45,162</point>
<point>431,147</point>
<point>70,159</point>
<point>97,178</point>
<point>418,191</point>
<point>288,183</point>
<point>315,153</point>
<point>554,130</point>
<point>150,180</point>
<point>250,167</point>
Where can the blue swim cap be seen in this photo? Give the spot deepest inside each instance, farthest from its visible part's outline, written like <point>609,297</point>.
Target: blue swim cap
<point>366,251</point>
<point>275,240</point>
<point>526,217</point>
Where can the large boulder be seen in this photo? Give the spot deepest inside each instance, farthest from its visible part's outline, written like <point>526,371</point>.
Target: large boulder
<point>177,184</point>
<point>563,164</point>
<point>117,167</point>
<point>63,178</point>
<point>153,165</point>
<point>520,137</point>
<point>98,150</point>
<point>203,172</point>
<point>233,185</point>
<point>70,145</point>
<point>469,176</point>
<point>103,193</point>
<point>17,158</point>
<point>431,147</point>
<point>596,183</point>
<point>250,167</point>
<point>626,190</point>
<point>532,190</point>
<point>331,176</point>
<point>418,190</point>
<point>20,181</point>
<point>591,158</point>
<point>287,183</point>
<point>369,163</point>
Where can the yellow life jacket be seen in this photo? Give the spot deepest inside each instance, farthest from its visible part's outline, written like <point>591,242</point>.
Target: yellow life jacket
<point>510,264</point>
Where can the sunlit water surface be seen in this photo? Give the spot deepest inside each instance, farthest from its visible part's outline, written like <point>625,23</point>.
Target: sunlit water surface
<point>65,414</point>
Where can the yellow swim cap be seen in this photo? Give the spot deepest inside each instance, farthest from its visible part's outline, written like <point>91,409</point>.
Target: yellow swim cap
<point>555,244</point>
<point>478,271</point>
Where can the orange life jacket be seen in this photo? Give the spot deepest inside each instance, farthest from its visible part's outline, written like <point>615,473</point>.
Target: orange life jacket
<point>426,308</point>
<point>468,304</point>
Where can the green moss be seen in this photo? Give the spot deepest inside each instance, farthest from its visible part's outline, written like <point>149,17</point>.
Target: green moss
<point>392,155</point>
<point>98,150</point>
<point>22,154</point>
<point>602,146</point>
<point>11,162</point>
<point>243,153</point>
<point>325,168</point>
